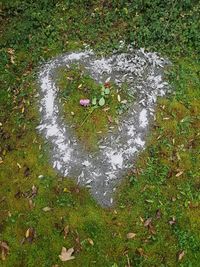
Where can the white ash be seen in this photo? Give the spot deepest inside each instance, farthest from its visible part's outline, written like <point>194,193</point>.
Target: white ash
<point>101,171</point>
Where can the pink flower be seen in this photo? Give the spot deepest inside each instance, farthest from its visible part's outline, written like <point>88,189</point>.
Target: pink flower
<point>85,102</point>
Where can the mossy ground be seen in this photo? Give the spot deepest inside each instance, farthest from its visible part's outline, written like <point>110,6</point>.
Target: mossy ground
<point>163,186</point>
<point>93,122</point>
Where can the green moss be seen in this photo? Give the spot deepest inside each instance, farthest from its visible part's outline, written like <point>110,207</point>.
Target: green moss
<point>93,122</point>
<point>39,31</point>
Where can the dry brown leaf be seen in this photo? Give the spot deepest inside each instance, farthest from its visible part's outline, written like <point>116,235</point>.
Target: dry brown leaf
<point>147,222</point>
<point>130,235</point>
<point>30,234</point>
<point>158,214</point>
<point>4,250</point>
<point>66,255</point>
<point>181,254</point>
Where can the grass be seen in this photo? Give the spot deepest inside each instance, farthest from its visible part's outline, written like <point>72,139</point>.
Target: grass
<point>164,185</point>
<point>93,122</point>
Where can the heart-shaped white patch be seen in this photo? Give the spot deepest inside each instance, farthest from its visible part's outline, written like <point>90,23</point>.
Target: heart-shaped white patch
<point>101,171</point>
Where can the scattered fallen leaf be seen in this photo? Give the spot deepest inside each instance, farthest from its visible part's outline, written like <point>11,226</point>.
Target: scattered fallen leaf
<point>179,173</point>
<point>140,251</point>
<point>91,242</point>
<point>30,234</point>
<point>130,235</point>
<point>119,98</point>
<point>181,254</point>
<point>19,166</point>
<point>66,255</point>
<point>172,221</point>
<point>147,222</point>
<point>46,209</point>
<point>158,214</point>
<point>4,250</point>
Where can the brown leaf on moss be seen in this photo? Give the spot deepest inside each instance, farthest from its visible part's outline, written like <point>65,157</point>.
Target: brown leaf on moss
<point>66,255</point>
<point>130,235</point>
<point>30,234</point>
<point>172,221</point>
<point>147,222</point>
<point>158,214</point>
<point>4,250</point>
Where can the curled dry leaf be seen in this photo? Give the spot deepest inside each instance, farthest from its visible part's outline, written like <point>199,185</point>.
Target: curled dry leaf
<point>4,249</point>
<point>130,235</point>
<point>66,255</point>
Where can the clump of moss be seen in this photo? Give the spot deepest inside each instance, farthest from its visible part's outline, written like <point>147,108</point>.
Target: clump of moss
<point>90,122</point>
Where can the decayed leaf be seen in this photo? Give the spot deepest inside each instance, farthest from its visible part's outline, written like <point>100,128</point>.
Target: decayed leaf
<point>130,235</point>
<point>4,249</point>
<point>66,255</point>
<point>181,254</point>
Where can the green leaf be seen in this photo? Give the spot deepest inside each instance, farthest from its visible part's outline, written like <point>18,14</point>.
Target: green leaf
<point>102,101</point>
<point>107,91</point>
<point>94,101</point>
